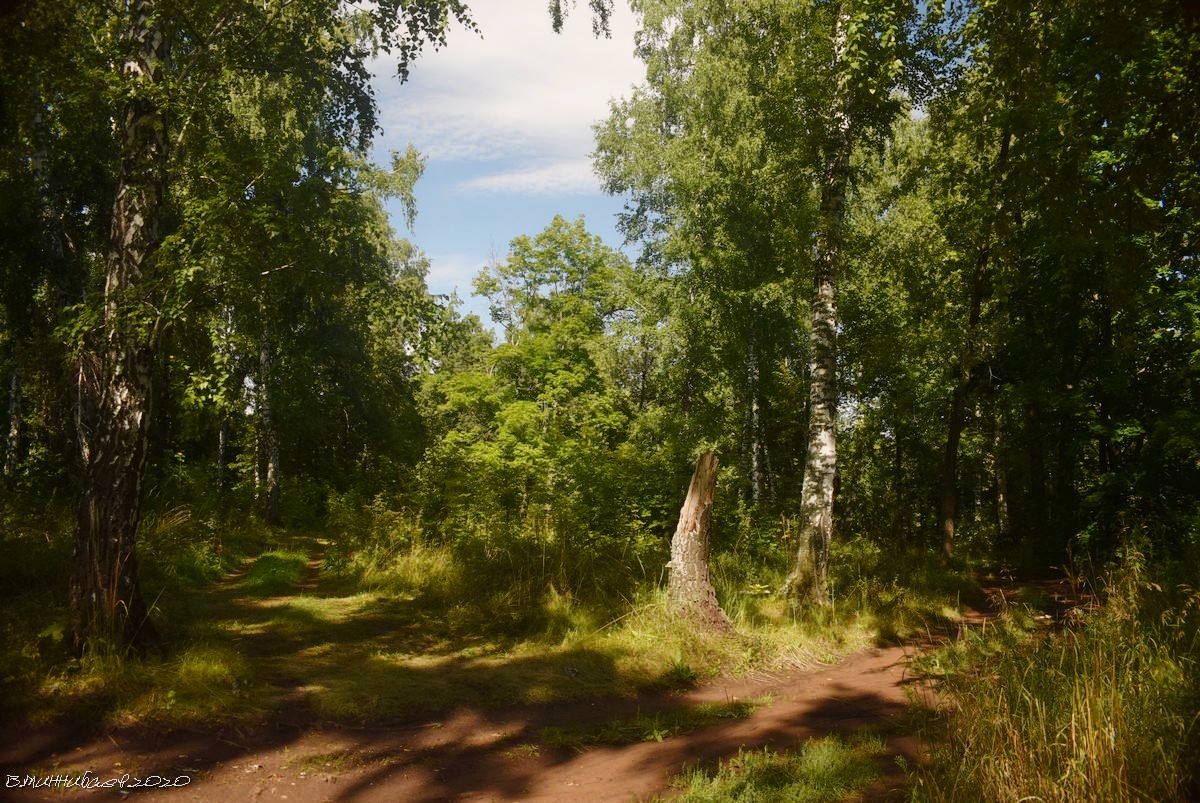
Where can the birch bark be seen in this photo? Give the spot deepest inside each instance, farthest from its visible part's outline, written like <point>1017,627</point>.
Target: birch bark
<point>810,577</point>
<point>106,598</point>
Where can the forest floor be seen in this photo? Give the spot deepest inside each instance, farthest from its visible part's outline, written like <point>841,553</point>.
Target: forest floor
<point>599,749</point>
<point>496,754</point>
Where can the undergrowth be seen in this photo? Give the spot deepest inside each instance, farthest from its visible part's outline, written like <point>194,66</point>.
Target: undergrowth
<point>399,624</point>
<point>1105,708</point>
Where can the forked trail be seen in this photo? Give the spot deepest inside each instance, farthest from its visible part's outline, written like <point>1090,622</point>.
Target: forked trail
<point>485,754</point>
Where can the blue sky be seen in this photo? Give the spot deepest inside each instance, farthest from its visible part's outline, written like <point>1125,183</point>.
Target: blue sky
<point>505,123</point>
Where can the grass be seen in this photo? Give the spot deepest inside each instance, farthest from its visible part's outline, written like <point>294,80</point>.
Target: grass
<point>276,571</point>
<point>828,769</point>
<point>1105,709</point>
<point>522,751</point>
<point>391,629</point>
<point>393,649</point>
<point>204,683</point>
<point>183,552</point>
<point>651,728</point>
<point>429,660</point>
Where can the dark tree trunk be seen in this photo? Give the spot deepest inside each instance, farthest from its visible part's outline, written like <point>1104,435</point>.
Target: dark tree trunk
<point>1002,521</point>
<point>948,504</point>
<point>948,507</point>
<point>689,587</point>
<point>1039,515</point>
<point>106,597</point>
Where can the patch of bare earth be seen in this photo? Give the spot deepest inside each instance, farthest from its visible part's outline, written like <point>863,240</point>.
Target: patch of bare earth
<point>481,755</point>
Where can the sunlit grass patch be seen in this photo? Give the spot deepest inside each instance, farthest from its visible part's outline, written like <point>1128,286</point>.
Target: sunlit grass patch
<point>276,571</point>
<point>525,750</point>
<point>1002,634</point>
<point>651,727</point>
<point>829,769</point>
<point>430,660</point>
<point>205,683</point>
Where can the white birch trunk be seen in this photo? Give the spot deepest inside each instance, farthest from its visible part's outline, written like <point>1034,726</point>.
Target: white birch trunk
<point>810,577</point>
<point>106,597</point>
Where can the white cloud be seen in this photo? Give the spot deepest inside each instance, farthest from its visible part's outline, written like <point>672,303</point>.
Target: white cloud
<point>453,272</point>
<point>567,177</point>
<point>520,93</point>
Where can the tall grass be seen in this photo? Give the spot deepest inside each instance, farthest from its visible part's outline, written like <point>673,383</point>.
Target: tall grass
<point>1103,709</point>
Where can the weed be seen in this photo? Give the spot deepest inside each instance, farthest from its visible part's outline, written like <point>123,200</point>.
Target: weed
<point>523,751</point>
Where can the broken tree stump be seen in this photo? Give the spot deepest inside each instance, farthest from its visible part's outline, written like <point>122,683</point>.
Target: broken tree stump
<point>689,587</point>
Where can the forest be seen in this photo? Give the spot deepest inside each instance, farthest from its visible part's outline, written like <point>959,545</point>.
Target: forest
<point>905,319</point>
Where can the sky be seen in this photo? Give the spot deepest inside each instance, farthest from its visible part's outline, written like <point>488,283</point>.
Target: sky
<point>505,123</point>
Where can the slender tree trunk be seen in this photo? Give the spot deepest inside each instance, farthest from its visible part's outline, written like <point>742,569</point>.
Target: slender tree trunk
<point>12,454</point>
<point>225,352</point>
<point>689,368</point>
<point>689,586</point>
<point>1064,499</point>
<point>1104,446</point>
<point>753,466</point>
<point>810,576</point>
<point>1002,520</point>
<point>900,517</point>
<point>106,597</point>
<point>644,373</point>
<point>758,470</point>
<point>270,440</point>
<point>223,456</point>
<point>948,506</point>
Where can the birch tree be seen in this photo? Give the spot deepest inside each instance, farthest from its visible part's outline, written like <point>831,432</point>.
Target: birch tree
<point>170,62</point>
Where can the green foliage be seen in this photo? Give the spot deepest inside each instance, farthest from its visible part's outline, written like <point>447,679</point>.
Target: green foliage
<point>492,519</point>
<point>543,422</point>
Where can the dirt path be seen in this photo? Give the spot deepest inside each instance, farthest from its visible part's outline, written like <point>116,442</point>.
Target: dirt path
<point>486,755</point>
<point>482,754</point>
